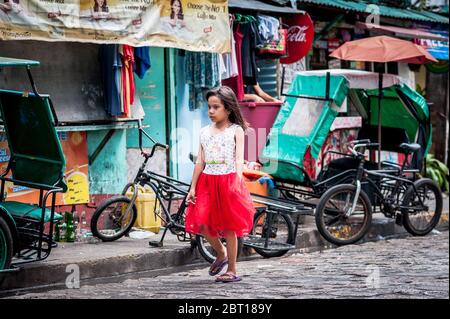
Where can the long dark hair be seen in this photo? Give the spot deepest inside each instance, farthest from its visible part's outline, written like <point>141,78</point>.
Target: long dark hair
<point>180,14</point>
<point>104,7</point>
<point>229,100</point>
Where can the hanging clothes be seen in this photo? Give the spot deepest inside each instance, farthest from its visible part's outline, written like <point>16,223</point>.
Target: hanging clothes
<point>202,73</point>
<point>229,62</point>
<point>127,78</point>
<point>249,69</point>
<point>141,61</point>
<point>111,70</point>
<point>236,83</point>
<point>222,67</point>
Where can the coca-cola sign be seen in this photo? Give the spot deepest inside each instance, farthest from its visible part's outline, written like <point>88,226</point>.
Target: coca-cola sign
<point>300,37</point>
<point>297,33</point>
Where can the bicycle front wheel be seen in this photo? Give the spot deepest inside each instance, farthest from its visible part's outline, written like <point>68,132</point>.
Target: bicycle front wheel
<point>422,207</point>
<point>112,219</point>
<point>333,220</point>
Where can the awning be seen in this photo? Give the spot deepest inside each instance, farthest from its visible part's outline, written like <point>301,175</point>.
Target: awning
<point>255,5</point>
<point>401,32</point>
<point>385,11</point>
<point>357,79</point>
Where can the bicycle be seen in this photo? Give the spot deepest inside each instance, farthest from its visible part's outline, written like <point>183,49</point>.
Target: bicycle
<point>344,213</point>
<point>115,217</point>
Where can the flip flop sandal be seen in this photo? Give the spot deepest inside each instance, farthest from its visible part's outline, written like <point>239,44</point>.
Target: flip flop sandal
<point>217,266</point>
<point>228,277</point>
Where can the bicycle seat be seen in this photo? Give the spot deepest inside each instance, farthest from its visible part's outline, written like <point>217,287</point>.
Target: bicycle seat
<point>411,148</point>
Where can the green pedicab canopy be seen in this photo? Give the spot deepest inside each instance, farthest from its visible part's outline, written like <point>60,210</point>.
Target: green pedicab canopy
<point>304,122</point>
<point>36,153</point>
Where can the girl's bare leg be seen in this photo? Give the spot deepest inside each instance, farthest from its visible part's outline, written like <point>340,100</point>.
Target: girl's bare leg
<point>232,243</point>
<point>217,246</point>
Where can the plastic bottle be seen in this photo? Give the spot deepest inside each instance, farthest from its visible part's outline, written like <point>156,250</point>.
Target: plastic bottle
<point>76,225</point>
<point>83,226</point>
<point>62,232</point>
<point>70,229</point>
<point>56,235</point>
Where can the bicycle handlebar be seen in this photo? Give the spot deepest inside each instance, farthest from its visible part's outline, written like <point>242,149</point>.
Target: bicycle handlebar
<point>360,141</point>
<point>156,144</point>
<point>362,144</point>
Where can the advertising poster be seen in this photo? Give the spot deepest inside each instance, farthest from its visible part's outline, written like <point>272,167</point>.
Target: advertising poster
<point>74,145</point>
<point>194,25</point>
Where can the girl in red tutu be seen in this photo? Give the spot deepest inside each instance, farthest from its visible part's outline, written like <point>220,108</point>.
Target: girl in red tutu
<point>220,205</point>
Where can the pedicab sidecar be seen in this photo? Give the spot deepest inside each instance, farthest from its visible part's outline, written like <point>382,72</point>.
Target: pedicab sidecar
<point>316,101</point>
<point>36,162</point>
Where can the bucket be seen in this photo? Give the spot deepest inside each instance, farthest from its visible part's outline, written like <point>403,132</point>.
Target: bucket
<point>260,116</point>
<point>251,178</point>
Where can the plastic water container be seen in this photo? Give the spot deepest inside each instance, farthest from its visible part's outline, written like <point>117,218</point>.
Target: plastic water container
<point>145,204</point>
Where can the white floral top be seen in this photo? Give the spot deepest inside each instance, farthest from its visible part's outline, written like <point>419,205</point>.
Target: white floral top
<point>219,150</point>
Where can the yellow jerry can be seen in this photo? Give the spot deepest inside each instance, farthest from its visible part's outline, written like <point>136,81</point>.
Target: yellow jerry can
<point>146,204</point>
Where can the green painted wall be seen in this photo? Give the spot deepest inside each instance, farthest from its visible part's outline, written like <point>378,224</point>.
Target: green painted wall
<point>151,91</point>
<point>172,107</point>
<point>108,173</point>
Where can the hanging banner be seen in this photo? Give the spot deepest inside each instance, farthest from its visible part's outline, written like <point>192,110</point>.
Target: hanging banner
<point>195,25</point>
<point>438,49</point>
<point>300,37</point>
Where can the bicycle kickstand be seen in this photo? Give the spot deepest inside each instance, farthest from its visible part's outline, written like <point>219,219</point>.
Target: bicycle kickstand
<point>155,243</point>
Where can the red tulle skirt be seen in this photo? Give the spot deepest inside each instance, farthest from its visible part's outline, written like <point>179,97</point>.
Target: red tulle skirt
<point>223,204</point>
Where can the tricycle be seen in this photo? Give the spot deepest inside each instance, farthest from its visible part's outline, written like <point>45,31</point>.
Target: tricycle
<point>305,157</point>
<point>36,162</point>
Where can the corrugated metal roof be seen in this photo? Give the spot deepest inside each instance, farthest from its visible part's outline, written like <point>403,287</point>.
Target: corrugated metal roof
<point>384,10</point>
<point>261,6</point>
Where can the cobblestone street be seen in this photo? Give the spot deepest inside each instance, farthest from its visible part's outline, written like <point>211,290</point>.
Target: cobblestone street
<point>413,267</point>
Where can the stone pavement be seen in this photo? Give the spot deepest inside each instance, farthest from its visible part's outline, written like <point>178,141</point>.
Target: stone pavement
<point>412,267</point>
<point>126,257</point>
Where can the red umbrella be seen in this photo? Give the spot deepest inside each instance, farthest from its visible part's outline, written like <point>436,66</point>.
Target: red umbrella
<point>382,49</point>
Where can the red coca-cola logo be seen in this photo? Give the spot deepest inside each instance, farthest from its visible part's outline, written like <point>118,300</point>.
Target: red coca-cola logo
<point>297,33</point>
<point>300,37</point>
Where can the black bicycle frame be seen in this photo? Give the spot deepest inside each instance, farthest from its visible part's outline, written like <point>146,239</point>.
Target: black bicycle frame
<point>392,194</point>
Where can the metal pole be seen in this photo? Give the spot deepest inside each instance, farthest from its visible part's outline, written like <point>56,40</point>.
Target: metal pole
<point>327,87</point>
<point>380,98</point>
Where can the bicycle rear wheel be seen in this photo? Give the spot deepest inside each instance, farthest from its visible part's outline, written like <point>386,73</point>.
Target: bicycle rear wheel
<point>111,220</point>
<point>420,219</point>
<point>331,215</point>
<point>272,234</point>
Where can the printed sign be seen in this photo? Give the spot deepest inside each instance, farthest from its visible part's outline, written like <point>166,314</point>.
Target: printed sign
<point>195,25</point>
<point>300,37</point>
<point>74,145</point>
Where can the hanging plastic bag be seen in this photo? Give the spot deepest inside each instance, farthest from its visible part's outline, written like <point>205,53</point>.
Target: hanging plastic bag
<point>275,48</point>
